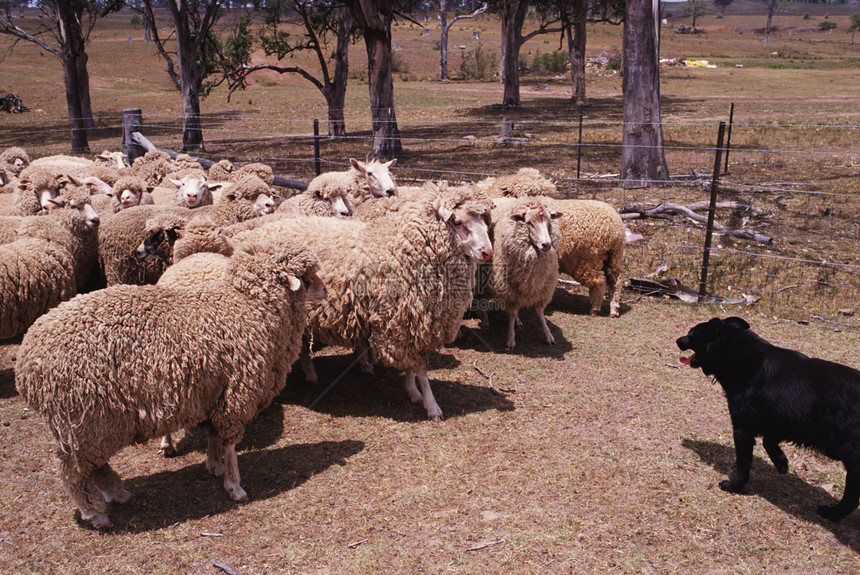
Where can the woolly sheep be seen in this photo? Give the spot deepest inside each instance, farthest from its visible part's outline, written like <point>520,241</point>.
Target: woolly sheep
<point>262,171</point>
<point>229,350</point>
<point>192,190</point>
<point>592,249</point>
<point>361,182</point>
<point>524,271</point>
<point>399,286</point>
<point>12,161</point>
<point>48,263</point>
<point>129,191</point>
<point>153,167</point>
<point>122,233</point>
<point>246,198</point>
<point>220,171</point>
<point>324,202</point>
<point>526,182</point>
<point>115,160</point>
<point>35,189</point>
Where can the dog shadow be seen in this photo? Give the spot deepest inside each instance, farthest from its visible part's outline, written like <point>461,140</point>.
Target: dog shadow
<point>162,499</point>
<point>788,492</point>
<point>343,390</point>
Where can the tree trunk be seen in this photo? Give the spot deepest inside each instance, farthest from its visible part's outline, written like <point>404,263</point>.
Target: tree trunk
<point>189,79</point>
<point>386,136</point>
<point>84,85</point>
<point>643,162</point>
<point>576,50</point>
<point>336,92</point>
<point>443,40</point>
<point>72,45</point>
<point>513,17</point>
<point>771,6</point>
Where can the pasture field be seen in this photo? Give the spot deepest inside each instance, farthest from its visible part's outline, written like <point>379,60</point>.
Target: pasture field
<point>596,455</point>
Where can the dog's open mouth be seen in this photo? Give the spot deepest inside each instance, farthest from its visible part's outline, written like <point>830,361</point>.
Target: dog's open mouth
<point>686,361</point>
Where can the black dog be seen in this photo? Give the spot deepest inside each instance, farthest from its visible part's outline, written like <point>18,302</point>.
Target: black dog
<point>781,395</point>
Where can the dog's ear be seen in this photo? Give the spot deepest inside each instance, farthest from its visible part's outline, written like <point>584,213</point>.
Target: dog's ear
<point>737,322</point>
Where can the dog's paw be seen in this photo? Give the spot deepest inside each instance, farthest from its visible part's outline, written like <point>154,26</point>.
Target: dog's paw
<point>831,512</point>
<point>731,485</point>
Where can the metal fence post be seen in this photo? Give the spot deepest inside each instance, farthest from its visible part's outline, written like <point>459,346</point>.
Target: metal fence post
<point>729,136</point>
<point>712,208</point>
<point>317,167</point>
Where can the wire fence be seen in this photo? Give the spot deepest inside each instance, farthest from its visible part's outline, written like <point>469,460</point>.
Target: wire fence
<point>797,183</point>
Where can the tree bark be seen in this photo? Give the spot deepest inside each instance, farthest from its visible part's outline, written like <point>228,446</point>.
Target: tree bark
<point>643,162</point>
<point>443,40</point>
<point>576,51</point>
<point>513,17</point>
<point>375,17</point>
<point>72,47</point>
<point>189,77</point>
<point>771,6</point>
<point>336,92</point>
<point>84,85</point>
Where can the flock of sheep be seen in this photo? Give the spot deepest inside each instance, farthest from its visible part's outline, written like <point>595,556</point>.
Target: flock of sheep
<point>198,289</point>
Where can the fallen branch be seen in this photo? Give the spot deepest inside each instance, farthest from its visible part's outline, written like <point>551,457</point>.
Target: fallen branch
<point>204,534</point>
<point>489,377</point>
<point>674,288</point>
<point>665,210</point>
<point>485,545</point>
<point>357,543</point>
<point>144,143</point>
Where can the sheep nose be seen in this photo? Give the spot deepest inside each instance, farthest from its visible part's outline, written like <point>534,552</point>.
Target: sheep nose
<point>389,192</point>
<point>545,246</point>
<point>486,255</point>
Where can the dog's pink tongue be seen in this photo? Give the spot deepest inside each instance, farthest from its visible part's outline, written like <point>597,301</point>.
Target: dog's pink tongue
<point>685,361</point>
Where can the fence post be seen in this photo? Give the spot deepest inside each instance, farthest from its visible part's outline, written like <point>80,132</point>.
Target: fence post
<point>132,120</point>
<point>317,146</point>
<point>712,208</point>
<point>729,136</point>
<point>579,144</point>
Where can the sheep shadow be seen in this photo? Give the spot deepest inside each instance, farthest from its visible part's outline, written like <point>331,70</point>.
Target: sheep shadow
<point>264,430</point>
<point>530,341</point>
<point>190,493</point>
<point>574,300</point>
<point>344,391</point>
<point>788,492</point>
<point>7,383</point>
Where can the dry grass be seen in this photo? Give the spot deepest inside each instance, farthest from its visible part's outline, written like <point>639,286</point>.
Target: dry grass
<point>601,456</point>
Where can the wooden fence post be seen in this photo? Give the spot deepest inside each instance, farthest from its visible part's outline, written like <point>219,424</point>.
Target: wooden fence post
<point>712,208</point>
<point>132,120</point>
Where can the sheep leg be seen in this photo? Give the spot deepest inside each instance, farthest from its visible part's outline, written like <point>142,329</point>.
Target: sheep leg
<point>110,484</point>
<point>411,389</point>
<point>215,455</point>
<point>167,448</point>
<point>546,333</point>
<point>433,410</point>
<point>513,320</point>
<point>596,293</point>
<point>231,474</point>
<point>363,359</point>
<point>307,362</point>
<point>615,285</point>
<point>84,490</point>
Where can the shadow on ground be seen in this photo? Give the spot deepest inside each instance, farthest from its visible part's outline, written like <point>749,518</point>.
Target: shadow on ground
<point>788,492</point>
<point>169,497</point>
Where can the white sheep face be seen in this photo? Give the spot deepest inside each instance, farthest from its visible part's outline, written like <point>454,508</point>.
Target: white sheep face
<point>378,176</point>
<point>18,165</point>
<point>129,198</point>
<point>193,190</point>
<point>471,231</point>
<point>538,222</point>
<point>46,198</point>
<point>339,208</point>
<point>264,204</point>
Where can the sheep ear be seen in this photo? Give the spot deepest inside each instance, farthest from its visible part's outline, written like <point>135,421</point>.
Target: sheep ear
<point>443,212</point>
<point>518,217</point>
<point>358,165</point>
<point>215,185</point>
<point>177,183</point>
<point>390,163</point>
<point>58,201</point>
<point>75,180</point>
<point>294,282</point>
<point>556,215</point>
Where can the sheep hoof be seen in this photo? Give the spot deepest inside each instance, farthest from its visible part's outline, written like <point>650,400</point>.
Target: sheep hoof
<point>237,493</point>
<point>216,468</point>
<point>118,495</point>
<point>436,418</point>
<point>550,340</point>
<point>167,451</point>
<point>511,345</point>
<point>96,519</point>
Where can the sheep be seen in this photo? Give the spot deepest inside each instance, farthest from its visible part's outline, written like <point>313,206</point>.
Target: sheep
<point>400,285</point>
<point>129,191</point>
<point>361,182</point>
<point>35,189</point>
<point>592,249</point>
<point>220,171</point>
<point>245,198</point>
<point>191,190</point>
<point>122,233</point>
<point>188,356</point>
<point>153,167</point>
<point>262,171</point>
<point>526,182</point>
<point>12,161</point>
<point>48,263</point>
<point>524,271</point>
<point>115,160</point>
<point>319,202</point>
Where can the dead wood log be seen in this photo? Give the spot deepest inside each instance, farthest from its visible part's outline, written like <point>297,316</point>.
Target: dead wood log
<point>666,210</point>
<point>282,181</point>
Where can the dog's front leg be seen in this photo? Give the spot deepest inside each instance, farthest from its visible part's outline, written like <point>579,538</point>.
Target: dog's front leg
<point>744,443</point>
<point>850,498</point>
<point>780,461</point>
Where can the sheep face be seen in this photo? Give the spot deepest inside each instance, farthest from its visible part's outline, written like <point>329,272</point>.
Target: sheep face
<point>18,165</point>
<point>264,204</point>
<point>194,190</point>
<point>335,205</point>
<point>114,159</point>
<point>47,196</point>
<point>378,176</point>
<point>158,244</point>
<point>538,222</point>
<point>470,230</point>
<point>128,197</point>
<point>93,185</point>
<point>91,218</point>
